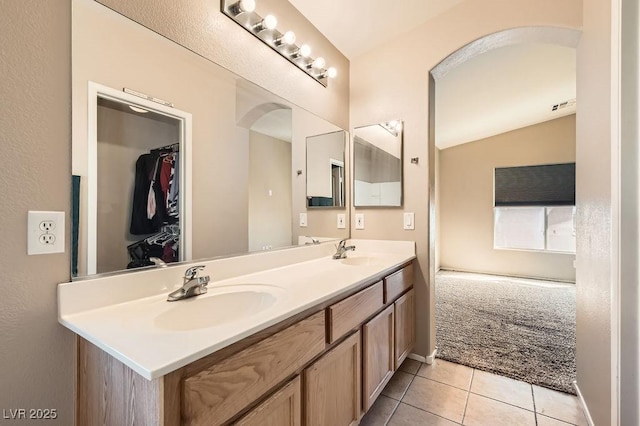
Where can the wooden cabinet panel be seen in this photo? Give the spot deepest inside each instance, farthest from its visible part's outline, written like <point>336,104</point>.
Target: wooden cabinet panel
<point>280,409</point>
<point>397,283</point>
<point>351,312</point>
<point>332,386</point>
<point>405,330</point>
<point>215,395</point>
<point>378,358</point>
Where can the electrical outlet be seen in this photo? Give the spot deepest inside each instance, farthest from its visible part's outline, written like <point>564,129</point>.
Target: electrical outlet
<point>359,220</point>
<point>342,221</point>
<point>45,232</point>
<point>303,220</point>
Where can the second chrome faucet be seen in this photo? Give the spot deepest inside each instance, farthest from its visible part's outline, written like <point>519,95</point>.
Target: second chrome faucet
<point>342,249</point>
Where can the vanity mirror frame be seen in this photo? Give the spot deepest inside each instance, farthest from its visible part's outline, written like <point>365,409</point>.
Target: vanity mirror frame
<point>98,91</point>
<point>398,124</point>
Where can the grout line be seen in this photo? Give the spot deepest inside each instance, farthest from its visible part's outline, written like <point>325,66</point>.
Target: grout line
<point>433,414</point>
<point>504,402</point>
<point>400,401</point>
<point>466,402</point>
<point>533,397</point>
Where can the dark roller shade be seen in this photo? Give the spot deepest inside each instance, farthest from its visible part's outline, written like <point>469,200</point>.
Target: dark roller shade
<point>548,185</point>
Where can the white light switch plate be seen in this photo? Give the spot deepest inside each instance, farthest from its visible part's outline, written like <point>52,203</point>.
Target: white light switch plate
<point>409,221</point>
<point>359,220</point>
<point>303,219</point>
<point>45,232</point>
<point>342,221</point>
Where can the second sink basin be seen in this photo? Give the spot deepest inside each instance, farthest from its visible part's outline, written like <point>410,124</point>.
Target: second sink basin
<point>221,305</point>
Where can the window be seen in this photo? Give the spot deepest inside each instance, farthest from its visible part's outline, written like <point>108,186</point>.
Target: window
<point>535,208</point>
<point>535,228</point>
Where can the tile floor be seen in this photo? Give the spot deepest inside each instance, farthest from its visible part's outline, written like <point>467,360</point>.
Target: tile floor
<point>445,393</point>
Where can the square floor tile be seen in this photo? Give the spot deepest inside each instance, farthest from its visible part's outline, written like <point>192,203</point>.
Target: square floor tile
<point>437,398</point>
<point>380,412</point>
<point>503,389</point>
<point>559,405</point>
<point>410,366</point>
<point>407,415</point>
<point>483,411</point>
<point>398,385</point>
<point>448,373</point>
<point>548,421</point>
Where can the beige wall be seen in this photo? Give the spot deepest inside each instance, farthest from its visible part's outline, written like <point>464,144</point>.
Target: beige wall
<point>37,355</point>
<point>384,85</point>
<point>595,177</point>
<point>466,200</point>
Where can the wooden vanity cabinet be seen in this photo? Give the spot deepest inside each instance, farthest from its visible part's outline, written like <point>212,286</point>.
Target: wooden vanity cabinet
<point>332,386</point>
<point>378,356</point>
<point>323,367</point>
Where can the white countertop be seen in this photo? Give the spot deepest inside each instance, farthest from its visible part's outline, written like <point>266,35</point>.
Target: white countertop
<point>128,316</point>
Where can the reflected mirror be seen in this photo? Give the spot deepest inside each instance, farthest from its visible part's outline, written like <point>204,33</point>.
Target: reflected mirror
<point>247,145</point>
<point>325,170</point>
<point>377,164</point>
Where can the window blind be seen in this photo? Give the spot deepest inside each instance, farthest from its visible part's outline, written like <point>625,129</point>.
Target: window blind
<point>546,185</point>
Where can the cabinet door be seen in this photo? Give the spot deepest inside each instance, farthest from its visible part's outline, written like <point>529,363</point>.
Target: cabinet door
<point>377,355</point>
<point>280,409</point>
<point>405,326</point>
<point>332,386</point>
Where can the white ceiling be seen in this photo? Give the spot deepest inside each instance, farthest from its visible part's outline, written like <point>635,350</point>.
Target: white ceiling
<point>501,90</point>
<point>357,26</point>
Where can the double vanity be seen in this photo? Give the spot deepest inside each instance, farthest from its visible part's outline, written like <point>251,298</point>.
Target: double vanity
<point>292,336</point>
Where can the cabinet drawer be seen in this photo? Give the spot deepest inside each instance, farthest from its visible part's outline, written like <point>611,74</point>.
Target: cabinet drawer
<point>397,283</point>
<point>280,409</point>
<point>349,313</point>
<point>215,395</point>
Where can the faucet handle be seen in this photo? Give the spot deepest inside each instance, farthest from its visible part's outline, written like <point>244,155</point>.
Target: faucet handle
<point>342,243</point>
<point>192,272</point>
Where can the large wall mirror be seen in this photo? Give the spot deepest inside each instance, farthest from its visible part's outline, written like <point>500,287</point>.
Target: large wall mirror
<point>377,164</point>
<point>325,170</point>
<point>237,176</point>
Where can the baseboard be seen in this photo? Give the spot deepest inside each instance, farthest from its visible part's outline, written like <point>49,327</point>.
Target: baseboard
<point>585,409</point>
<point>425,359</point>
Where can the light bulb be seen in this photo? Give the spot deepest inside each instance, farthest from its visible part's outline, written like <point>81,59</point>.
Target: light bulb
<point>332,72</point>
<point>399,126</point>
<point>304,51</point>
<point>287,38</point>
<point>318,63</point>
<point>270,22</point>
<point>243,6</point>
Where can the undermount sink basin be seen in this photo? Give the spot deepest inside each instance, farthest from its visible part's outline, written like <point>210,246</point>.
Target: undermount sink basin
<point>219,306</point>
<point>361,261</point>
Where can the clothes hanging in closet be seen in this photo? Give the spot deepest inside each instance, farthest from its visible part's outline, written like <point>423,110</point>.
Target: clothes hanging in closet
<point>155,208</point>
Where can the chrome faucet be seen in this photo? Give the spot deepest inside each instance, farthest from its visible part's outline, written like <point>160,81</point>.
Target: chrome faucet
<point>193,285</point>
<point>342,249</point>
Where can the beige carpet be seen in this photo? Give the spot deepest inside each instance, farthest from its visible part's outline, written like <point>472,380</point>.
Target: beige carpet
<point>519,328</point>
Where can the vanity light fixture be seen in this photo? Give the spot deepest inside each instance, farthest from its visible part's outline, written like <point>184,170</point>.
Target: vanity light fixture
<point>394,127</point>
<point>244,14</point>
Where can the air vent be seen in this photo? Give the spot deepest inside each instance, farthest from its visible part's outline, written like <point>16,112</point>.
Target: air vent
<point>565,104</point>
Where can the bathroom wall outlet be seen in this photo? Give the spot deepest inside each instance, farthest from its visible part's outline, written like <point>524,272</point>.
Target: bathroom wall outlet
<point>342,221</point>
<point>303,220</point>
<point>359,220</point>
<point>409,221</point>
<point>45,232</point>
